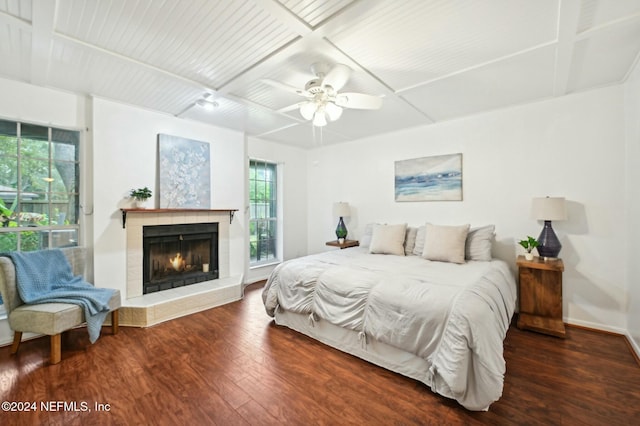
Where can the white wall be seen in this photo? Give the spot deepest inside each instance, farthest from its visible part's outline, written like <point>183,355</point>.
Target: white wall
<point>571,147</point>
<point>125,156</point>
<point>292,164</point>
<point>632,125</point>
<point>39,105</point>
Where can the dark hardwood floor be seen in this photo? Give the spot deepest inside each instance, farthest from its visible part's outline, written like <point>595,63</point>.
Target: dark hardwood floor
<point>232,366</point>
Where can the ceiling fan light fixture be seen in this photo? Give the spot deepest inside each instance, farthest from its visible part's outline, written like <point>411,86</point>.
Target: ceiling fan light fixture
<point>320,118</point>
<point>333,111</point>
<point>307,110</point>
<point>206,104</point>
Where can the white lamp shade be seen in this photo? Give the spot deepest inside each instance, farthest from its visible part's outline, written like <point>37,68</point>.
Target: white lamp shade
<point>549,208</point>
<point>320,118</point>
<point>341,209</point>
<point>333,111</point>
<point>307,110</point>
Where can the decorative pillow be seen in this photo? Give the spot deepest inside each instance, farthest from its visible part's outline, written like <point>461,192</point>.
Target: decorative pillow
<point>410,240</point>
<point>445,243</point>
<point>419,247</point>
<point>388,239</point>
<point>365,239</point>
<point>479,241</point>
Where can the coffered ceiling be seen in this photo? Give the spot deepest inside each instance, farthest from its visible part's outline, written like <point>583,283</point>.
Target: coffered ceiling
<point>430,60</point>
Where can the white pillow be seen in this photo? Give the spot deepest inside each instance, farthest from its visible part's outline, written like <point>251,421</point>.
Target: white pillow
<point>419,247</point>
<point>388,239</point>
<point>410,240</point>
<point>445,243</point>
<point>365,240</point>
<point>479,241</point>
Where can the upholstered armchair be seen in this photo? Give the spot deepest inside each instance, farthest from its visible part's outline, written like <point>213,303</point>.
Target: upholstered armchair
<point>47,318</point>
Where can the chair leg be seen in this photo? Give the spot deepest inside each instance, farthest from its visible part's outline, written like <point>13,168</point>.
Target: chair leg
<point>114,322</point>
<point>17,338</point>
<point>56,349</point>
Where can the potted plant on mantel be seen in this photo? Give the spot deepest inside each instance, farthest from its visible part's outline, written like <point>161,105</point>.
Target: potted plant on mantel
<point>140,196</point>
<point>529,244</point>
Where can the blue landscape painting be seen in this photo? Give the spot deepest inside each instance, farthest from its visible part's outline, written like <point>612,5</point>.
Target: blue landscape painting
<point>437,178</point>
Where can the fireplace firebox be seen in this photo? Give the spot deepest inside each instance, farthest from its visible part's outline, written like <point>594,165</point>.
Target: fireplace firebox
<point>178,255</point>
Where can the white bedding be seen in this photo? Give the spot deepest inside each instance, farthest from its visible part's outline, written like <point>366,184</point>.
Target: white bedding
<point>452,316</point>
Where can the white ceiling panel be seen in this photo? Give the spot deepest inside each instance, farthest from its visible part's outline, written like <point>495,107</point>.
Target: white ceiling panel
<point>604,58</point>
<point>513,81</point>
<point>237,116</point>
<point>17,8</point>
<point>305,136</point>
<point>416,41</point>
<point>15,51</point>
<point>595,13</point>
<point>81,69</point>
<point>207,41</point>
<point>314,12</point>
<point>430,60</point>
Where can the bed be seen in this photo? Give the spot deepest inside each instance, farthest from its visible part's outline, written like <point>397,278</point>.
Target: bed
<point>442,322</point>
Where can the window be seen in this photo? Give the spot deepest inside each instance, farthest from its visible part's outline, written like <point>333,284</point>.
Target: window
<point>263,212</point>
<point>39,181</point>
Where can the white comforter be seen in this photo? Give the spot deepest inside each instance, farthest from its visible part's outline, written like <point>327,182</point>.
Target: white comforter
<point>453,316</point>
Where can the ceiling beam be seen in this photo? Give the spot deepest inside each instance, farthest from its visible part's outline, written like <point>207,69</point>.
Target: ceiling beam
<point>14,21</point>
<point>568,17</point>
<point>43,21</point>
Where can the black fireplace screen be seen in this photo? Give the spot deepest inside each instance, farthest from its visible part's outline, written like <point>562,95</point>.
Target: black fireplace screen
<point>179,255</point>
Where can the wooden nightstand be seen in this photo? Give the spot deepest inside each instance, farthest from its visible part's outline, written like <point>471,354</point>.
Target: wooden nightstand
<point>346,244</point>
<point>540,284</point>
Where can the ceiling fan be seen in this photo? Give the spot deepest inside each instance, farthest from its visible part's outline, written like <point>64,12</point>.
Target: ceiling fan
<point>323,101</point>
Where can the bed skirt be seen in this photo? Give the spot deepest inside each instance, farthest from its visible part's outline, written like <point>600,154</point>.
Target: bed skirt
<point>352,342</point>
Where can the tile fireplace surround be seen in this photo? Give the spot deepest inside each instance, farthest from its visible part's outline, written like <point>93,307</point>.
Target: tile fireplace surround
<point>149,309</point>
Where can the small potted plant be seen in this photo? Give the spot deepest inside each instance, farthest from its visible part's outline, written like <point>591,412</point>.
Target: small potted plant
<point>529,244</point>
<point>140,195</point>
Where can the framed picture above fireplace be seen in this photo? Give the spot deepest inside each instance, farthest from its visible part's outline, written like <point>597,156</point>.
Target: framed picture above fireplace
<point>184,168</point>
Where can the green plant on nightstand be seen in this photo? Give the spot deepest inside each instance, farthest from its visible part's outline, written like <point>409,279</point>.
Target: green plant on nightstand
<point>529,244</point>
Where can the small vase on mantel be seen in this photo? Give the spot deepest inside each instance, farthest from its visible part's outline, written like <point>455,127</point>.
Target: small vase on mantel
<point>141,204</point>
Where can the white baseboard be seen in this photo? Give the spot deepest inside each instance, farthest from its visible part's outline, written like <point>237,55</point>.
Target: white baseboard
<point>634,345</point>
<point>621,331</point>
<point>596,326</point>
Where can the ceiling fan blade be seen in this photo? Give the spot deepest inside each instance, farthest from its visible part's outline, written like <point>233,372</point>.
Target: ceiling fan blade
<point>358,101</point>
<point>337,76</point>
<point>286,87</point>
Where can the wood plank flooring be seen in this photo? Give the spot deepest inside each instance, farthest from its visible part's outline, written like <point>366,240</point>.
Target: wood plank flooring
<point>232,366</point>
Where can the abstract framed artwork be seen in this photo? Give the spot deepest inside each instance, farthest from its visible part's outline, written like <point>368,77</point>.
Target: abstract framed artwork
<point>436,178</point>
<point>184,169</point>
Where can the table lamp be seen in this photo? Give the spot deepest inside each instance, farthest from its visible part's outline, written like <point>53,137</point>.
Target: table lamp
<point>548,209</point>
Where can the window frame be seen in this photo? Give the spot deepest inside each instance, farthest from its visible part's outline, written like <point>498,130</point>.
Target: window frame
<point>49,193</point>
<point>272,222</point>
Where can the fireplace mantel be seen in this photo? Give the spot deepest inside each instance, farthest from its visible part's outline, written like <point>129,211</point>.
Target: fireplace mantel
<point>125,211</point>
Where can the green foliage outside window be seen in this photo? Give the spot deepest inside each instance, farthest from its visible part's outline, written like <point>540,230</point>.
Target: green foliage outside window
<point>39,174</point>
<point>263,208</point>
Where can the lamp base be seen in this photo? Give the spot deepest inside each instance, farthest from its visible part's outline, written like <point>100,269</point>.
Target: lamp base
<point>341,230</point>
<point>548,244</point>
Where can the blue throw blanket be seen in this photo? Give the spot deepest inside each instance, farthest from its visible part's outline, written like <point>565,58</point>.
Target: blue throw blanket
<point>45,276</point>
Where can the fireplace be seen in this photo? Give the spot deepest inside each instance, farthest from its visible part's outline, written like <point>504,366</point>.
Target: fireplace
<point>178,255</point>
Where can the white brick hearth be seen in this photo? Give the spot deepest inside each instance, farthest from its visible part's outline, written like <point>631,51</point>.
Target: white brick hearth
<point>144,310</point>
